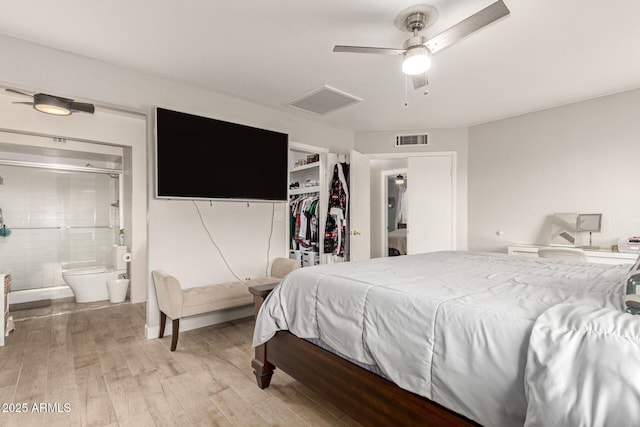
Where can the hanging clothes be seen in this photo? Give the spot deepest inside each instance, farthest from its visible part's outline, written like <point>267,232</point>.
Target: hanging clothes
<point>336,225</point>
<point>304,223</point>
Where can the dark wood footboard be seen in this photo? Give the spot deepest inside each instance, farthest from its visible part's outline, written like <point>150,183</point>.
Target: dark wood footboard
<point>366,397</point>
<point>262,369</point>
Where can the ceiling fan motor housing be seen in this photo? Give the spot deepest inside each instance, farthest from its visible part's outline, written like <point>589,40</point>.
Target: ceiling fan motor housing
<point>413,42</point>
<point>416,18</point>
<point>415,22</point>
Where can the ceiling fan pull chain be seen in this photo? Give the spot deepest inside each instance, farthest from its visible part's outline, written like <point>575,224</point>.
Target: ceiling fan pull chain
<point>406,80</point>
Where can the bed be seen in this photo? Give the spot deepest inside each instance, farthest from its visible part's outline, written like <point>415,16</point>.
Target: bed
<point>398,240</point>
<point>429,339</point>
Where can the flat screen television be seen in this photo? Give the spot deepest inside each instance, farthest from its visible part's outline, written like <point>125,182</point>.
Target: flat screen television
<point>204,158</point>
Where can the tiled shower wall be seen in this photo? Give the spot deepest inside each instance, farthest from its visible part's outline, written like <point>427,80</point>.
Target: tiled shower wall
<point>58,220</point>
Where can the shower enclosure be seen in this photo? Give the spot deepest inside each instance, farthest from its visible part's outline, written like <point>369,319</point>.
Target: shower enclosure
<point>59,217</point>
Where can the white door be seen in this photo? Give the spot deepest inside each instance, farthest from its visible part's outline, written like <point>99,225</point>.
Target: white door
<point>359,207</point>
<point>430,206</point>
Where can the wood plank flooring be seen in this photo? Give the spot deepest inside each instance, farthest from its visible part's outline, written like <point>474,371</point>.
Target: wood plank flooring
<point>92,365</point>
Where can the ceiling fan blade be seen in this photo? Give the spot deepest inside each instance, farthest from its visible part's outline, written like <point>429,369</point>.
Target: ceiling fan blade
<point>17,91</point>
<point>364,49</point>
<point>468,26</point>
<point>83,106</point>
<point>20,102</point>
<point>419,80</point>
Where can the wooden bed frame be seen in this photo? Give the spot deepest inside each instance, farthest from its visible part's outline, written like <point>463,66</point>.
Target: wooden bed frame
<point>366,397</point>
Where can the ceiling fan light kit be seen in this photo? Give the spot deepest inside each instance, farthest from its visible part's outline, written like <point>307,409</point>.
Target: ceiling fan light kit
<point>56,105</point>
<point>50,105</point>
<point>417,50</point>
<point>416,60</point>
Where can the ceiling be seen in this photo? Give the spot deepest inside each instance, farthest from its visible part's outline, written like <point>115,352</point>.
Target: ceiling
<point>546,53</point>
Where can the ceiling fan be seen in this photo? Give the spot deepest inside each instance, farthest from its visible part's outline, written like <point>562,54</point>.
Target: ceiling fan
<point>55,105</point>
<point>417,50</point>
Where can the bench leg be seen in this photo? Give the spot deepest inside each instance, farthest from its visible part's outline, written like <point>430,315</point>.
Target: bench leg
<point>174,334</point>
<point>163,321</point>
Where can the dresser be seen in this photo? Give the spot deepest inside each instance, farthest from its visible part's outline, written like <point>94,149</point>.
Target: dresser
<point>602,256</point>
<point>5,279</point>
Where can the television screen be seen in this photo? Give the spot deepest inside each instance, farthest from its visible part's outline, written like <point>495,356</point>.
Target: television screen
<point>204,158</point>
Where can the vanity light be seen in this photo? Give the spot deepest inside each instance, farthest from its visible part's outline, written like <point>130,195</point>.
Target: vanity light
<point>399,180</point>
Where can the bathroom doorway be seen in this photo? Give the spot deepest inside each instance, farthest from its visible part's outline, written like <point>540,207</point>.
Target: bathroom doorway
<point>429,223</point>
<point>395,216</point>
<point>61,213</point>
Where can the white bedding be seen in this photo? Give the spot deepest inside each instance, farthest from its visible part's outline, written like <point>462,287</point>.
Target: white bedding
<point>398,240</point>
<point>451,326</point>
<point>583,368</point>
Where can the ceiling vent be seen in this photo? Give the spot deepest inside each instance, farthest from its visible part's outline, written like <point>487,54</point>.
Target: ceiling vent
<point>323,100</point>
<point>412,140</point>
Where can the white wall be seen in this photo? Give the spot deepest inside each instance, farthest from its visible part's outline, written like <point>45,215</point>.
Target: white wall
<point>80,77</point>
<point>580,158</point>
<point>440,140</point>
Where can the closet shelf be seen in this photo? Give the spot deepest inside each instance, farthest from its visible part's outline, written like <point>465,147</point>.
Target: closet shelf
<point>303,167</point>
<point>304,190</point>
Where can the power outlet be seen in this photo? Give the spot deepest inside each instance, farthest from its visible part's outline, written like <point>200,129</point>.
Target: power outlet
<point>278,216</point>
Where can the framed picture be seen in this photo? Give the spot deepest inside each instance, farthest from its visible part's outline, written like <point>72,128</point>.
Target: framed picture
<point>589,222</point>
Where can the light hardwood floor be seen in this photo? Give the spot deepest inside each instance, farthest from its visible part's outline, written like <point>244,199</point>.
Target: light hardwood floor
<point>95,360</point>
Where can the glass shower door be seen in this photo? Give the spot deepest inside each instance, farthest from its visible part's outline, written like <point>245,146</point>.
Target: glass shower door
<point>59,220</point>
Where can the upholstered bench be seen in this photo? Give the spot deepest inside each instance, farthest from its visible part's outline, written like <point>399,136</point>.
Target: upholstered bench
<point>175,302</point>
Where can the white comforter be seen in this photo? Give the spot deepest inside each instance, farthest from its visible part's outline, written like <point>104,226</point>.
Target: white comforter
<point>583,368</point>
<point>451,326</point>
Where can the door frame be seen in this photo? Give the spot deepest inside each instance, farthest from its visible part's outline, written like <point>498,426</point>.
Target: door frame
<point>359,207</point>
<point>384,209</point>
<point>454,181</point>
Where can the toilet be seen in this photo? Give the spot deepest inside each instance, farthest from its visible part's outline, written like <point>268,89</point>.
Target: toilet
<point>90,283</point>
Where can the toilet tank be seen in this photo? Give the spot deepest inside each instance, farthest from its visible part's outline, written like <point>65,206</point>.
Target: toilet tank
<point>119,257</point>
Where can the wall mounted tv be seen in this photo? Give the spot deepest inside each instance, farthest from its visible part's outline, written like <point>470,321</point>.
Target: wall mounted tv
<point>204,158</point>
